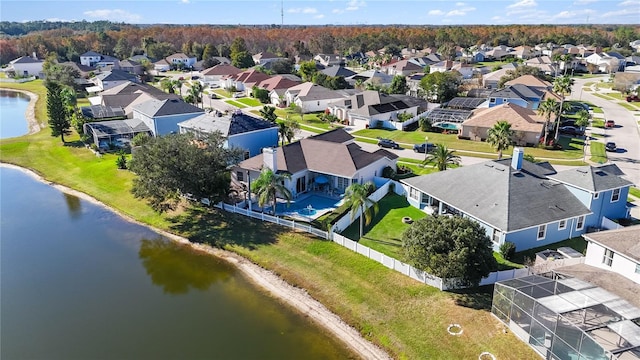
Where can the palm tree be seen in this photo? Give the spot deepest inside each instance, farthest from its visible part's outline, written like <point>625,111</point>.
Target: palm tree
<point>583,118</point>
<point>442,158</point>
<point>561,86</point>
<point>269,113</point>
<point>546,108</point>
<point>357,198</point>
<point>499,136</point>
<point>292,127</point>
<point>196,92</point>
<point>269,185</point>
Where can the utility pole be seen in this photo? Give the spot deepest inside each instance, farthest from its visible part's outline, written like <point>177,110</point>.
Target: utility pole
<point>282,13</point>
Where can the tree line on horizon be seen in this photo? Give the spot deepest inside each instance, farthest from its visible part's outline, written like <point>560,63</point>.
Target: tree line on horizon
<point>70,40</point>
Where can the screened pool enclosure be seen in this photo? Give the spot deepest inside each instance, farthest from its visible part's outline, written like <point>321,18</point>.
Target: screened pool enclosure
<point>568,318</point>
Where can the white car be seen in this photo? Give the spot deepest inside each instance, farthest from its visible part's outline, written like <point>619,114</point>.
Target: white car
<point>238,95</point>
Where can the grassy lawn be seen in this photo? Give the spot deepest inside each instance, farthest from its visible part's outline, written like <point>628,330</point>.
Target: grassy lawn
<point>37,88</point>
<point>406,318</point>
<point>311,120</point>
<point>249,101</point>
<point>576,243</point>
<point>384,234</point>
<point>634,191</point>
<point>572,148</point>
<point>598,153</point>
<point>223,93</point>
<point>629,106</point>
<point>597,123</point>
<point>236,104</point>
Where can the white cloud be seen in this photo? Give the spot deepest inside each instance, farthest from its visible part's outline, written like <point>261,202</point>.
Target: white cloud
<point>460,12</point>
<point>319,16</point>
<point>355,5</point>
<point>523,4</point>
<point>460,4</point>
<point>435,12</point>
<point>303,10</point>
<point>630,3</point>
<point>185,1</point>
<point>576,15</point>
<point>116,15</point>
<point>55,20</point>
<point>337,11</point>
<point>622,13</point>
<point>584,2</point>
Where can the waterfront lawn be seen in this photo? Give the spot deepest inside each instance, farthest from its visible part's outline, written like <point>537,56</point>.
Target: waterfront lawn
<point>36,87</point>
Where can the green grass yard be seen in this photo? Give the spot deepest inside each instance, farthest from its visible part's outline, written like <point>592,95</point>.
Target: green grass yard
<point>249,102</point>
<point>598,153</point>
<point>236,104</point>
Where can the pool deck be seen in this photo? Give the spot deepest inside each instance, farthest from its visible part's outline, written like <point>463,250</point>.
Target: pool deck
<point>301,198</point>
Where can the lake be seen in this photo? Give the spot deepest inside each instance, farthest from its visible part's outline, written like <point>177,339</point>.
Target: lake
<point>13,106</point>
<point>79,282</point>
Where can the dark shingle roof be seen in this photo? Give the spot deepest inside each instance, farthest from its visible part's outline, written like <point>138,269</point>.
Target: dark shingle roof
<point>336,70</point>
<point>501,196</point>
<point>593,178</point>
<point>336,135</point>
<point>517,91</point>
<point>166,107</point>
<point>227,125</point>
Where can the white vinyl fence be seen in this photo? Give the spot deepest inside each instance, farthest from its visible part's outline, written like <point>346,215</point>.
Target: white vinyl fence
<point>19,80</point>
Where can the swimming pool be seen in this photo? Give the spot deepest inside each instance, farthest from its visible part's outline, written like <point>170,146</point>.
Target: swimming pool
<point>310,206</point>
<point>447,126</point>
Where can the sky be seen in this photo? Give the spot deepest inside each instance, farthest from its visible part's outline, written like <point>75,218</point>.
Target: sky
<point>328,12</point>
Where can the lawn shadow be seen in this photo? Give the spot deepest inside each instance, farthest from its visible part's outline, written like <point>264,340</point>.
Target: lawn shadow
<point>478,298</point>
<point>219,228</point>
<point>75,143</point>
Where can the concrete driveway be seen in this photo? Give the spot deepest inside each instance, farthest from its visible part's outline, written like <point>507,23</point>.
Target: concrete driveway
<point>626,133</point>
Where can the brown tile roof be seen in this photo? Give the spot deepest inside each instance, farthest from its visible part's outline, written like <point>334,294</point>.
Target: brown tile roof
<point>529,80</point>
<point>521,119</point>
<point>277,82</point>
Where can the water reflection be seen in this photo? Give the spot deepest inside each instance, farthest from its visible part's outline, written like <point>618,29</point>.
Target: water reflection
<point>176,268</point>
<point>73,205</point>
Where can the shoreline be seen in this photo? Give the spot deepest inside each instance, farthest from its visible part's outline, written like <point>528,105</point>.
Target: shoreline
<point>297,298</point>
<point>30,115</point>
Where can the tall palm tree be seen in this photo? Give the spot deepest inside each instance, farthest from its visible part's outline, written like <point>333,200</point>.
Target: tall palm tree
<point>561,86</point>
<point>357,198</point>
<point>583,118</point>
<point>292,127</point>
<point>196,92</point>
<point>268,185</point>
<point>499,136</point>
<point>548,107</point>
<point>269,113</point>
<point>441,157</point>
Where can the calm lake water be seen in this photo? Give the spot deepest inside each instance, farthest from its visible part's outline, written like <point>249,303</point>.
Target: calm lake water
<point>13,105</point>
<point>79,282</point>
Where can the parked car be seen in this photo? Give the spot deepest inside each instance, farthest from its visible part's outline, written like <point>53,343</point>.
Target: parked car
<point>631,98</point>
<point>195,77</point>
<point>238,95</point>
<point>571,130</point>
<point>424,147</point>
<point>610,146</point>
<point>213,96</point>
<point>610,124</point>
<point>388,143</point>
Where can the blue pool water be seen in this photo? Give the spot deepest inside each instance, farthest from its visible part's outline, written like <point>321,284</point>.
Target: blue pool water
<point>301,206</point>
<point>448,126</point>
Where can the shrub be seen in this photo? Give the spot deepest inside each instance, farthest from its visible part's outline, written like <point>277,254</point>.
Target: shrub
<point>121,161</point>
<point>388,172</point>
<point>507,250</point>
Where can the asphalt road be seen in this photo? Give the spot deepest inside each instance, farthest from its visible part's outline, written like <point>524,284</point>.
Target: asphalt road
<point>626,133</point>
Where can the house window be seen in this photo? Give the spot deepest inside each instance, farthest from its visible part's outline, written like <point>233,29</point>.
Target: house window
<point>542,231</point>
<point>607,259</point>
<point>596,195</point>
<point>615,195</point>
<point>492,100</point>
<point>496,236</point>
<point>414,194</point>
<point>562,225</point>
<point>580,223</point>
<point>240,175</point>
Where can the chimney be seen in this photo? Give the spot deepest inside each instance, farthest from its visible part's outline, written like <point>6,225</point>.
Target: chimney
<point>269,158</point>
<point>516,160</point>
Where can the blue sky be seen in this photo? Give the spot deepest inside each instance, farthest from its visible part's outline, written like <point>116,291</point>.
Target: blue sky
<point>337,12</point>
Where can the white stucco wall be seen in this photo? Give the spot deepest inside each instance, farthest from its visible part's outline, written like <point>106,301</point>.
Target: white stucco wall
<point>621,264</point>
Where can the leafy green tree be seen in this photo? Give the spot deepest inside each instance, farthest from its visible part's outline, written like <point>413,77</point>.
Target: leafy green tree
<point>307,70</point>
<point>122,48</point>
<point>269,113</point>
<point>548,107</point>
<point>260,94</point>
<point>583,118</point>
<point>561,86</point>
<point>442,158</point>
<point>499,136</point>
<point>196,92</point>
<point>268,185</point>
<point>283,66</point>
<point>176,164</point>
<point>449,247</point>
<point>295,109</point>
<point>62,74</point>
<point>56,111</point>
<point>356,197</point>
<point>398,85</point>
<point>242,60</point>
<point>292,127</point>
<point>441,86</point>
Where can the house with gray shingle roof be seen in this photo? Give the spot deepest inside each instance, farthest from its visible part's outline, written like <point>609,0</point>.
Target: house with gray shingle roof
<point>616,250</point>
<point>371,108</point>
<point>337,70</point>
<point>162,116</point>
<point>26,66</point>
<point>309,96</point>
<point>333,155</point>
<point>240,130</point>
<point>518,94</point>
<point>514,200</point>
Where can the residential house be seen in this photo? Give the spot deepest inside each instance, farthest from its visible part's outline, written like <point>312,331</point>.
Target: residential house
<point>523,52</point>
<point>530,81</point>
<point>83,70</point>
<point>162,116</point>
<point>374,77</point>
<point>518,94</point>
<point>337,70</point>
<point>244,81</point>
<point>545,64</point>
<point>215,74</point>
<point>278,82</point>
<point>498,53</point>
<point>427,60</point>
<point>635,45</point>
<point>526,124</point>
<point>130,66</point>
<point>26,66</point>
<point>615,250</point>
<point>128,95</point>
<point>442,66</point>
<point>108,79</point>
<point>265,57</point>
<point>93,59</point>
<point>333,155</point>
<point>604,62</point>
<point>178,60</point>
<point>491,80</point>
<point>162,65</point>
<point>240,130</point>
<point>370,108</point>
<point>140,58</point>
<point>309,96</point>
<point>465,70</point>
<point>329,59</point>
<point>512,199</point>
<point>401,67</point>
<point>413,83</point>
